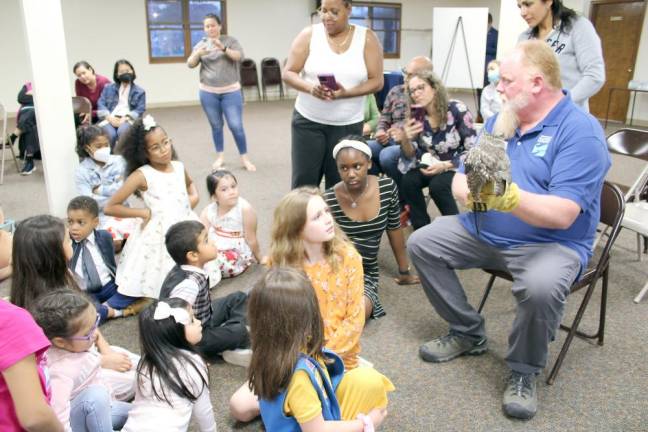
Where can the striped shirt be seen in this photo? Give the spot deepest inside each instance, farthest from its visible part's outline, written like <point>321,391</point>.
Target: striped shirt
<point>366,235</point>
<point>190,284</point>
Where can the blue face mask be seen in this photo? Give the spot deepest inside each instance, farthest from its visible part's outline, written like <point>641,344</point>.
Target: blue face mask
<point>493,76</point>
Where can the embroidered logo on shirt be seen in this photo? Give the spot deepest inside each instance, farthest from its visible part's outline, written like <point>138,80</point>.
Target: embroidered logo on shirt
<point>540,147</point>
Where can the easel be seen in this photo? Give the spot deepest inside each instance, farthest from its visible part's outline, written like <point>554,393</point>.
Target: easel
<point>446,65</point>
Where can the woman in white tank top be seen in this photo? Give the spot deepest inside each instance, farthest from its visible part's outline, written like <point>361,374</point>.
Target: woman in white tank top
<point>324,115</point>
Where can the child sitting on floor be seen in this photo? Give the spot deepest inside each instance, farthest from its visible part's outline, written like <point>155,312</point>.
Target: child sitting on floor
<point>232,224</point>
<point>42,248</point>
<point>80,397</point>
<point>300,384</point>
<point>172,380</point>
<point>99,175</point>
<point>93,260</point>
<point>25,390</point>
<point>223,320</point>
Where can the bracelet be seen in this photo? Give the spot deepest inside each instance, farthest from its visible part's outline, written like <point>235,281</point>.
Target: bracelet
<point>406,272</point>
<point>367,422</point>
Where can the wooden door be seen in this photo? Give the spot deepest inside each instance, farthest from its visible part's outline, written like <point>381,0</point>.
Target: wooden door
<point>618,24</point>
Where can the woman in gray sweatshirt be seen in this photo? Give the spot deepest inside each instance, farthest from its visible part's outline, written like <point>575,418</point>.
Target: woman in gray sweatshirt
<point>575,42</point>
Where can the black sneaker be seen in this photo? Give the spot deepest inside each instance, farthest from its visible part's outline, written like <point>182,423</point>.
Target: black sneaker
<point>520,397</point>
<point>451,346</point>
<point>28,167</point>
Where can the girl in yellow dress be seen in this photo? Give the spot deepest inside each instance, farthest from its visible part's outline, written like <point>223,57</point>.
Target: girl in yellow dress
<point>301,385</point>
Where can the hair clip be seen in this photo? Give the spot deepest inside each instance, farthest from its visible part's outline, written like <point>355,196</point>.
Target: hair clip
<point>164,311</point>
<point>149,122</point>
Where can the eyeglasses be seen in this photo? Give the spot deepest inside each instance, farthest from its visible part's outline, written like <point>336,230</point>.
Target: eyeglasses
<point>90,333</point>
<point>335,14</point>
<point>404,71</point>
<point>158,147</point>
<point>418,88</point>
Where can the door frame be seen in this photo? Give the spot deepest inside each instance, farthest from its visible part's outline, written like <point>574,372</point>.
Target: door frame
<point>592,17</point>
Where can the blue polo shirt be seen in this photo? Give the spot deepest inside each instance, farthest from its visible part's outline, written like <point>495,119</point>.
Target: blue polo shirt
<point>564,155</point>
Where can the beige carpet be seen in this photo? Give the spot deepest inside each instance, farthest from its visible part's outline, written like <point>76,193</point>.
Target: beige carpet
<point>599,388</point>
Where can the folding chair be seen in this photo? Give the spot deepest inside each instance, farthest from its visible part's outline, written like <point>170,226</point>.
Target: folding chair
<point>5,143</point>
<point>634,143</point>
<point>82,105</point>
<point>612,209</point>
<point>249,76</point>
<point>271,76</point>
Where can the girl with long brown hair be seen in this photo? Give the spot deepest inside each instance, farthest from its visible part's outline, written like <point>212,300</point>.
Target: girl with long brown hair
<point>305,237</point>
<point>300,384</point>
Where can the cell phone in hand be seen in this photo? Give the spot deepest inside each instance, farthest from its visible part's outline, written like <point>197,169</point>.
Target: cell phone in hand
<point>418,113</point>
<point>328,81</point>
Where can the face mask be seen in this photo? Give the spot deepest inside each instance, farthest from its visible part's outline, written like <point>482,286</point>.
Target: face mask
<point>102,154</point>
<point>493,76</point>
<point>125,77</point>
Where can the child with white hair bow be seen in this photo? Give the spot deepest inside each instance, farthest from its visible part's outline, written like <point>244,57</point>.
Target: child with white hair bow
<point>169,195</point>
<point>172,379</point>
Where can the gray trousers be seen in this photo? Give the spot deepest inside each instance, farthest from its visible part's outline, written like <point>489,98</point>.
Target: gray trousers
<point>542,273</point>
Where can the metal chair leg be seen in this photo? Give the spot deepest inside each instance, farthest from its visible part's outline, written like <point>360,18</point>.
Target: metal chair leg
<point>491,281</point>
<point>604,290</point>
<point>641,294</point>
<point>572,333</point>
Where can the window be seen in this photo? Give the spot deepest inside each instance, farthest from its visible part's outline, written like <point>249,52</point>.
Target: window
<point>384,19</point>
<point>175,26</point>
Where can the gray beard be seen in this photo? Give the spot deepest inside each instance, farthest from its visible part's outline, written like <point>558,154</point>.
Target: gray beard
<point>507,120</point>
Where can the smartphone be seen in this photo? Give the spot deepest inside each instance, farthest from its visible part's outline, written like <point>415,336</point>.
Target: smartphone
<point>209,44</point>
<point>418,113</point>
<point>328,81</point>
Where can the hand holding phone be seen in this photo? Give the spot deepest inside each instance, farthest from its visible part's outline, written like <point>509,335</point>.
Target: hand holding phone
<point>328,81</point>
<point>418,113</point>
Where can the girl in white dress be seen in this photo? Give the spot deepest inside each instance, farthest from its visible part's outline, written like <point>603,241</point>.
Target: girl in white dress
<point>169,196</point>
<point>232,223</point>
<point>172,380</point>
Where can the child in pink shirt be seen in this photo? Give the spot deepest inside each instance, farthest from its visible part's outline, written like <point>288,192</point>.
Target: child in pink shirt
<point>80,397</point>
<point>24,388</point>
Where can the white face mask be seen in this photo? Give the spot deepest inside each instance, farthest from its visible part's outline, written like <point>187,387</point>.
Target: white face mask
<point>102,154</point>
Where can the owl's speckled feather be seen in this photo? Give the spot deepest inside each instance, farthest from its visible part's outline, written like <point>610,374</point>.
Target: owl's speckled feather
<point>485,163</point>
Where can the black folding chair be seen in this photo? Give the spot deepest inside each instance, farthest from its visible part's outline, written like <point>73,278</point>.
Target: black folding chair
<point>612,209</point>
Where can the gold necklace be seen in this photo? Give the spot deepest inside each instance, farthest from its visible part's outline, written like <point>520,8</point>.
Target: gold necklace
<point>339,45</point>
<point>354,202</point>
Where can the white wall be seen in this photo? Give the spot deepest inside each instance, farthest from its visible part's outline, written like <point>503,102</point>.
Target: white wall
<point>265,28</point>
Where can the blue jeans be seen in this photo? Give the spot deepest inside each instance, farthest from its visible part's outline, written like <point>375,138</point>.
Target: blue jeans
<point>385,158</point>
<point>93,411</point>
<point>230,104</point>
<point>115,133</point>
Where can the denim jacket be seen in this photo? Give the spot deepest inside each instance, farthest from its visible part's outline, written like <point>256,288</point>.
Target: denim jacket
<point>110,97</point>
<point>109,178</point>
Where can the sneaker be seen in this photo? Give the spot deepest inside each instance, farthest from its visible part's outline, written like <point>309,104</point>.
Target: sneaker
<point>238,357</point>
<point>520,397</point>
<point>28,167</point>
<point>451,346</point>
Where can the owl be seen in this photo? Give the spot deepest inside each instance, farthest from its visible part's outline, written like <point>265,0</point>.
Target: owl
<point>485,163</point>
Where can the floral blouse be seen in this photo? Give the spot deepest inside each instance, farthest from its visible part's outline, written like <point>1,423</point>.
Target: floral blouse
<point>341,302</point>
<point>448,143</point>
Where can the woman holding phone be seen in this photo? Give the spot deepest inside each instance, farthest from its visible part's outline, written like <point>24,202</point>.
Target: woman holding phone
<point>332,65</point>
<point>433,141</point>
<point>220,90</point>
